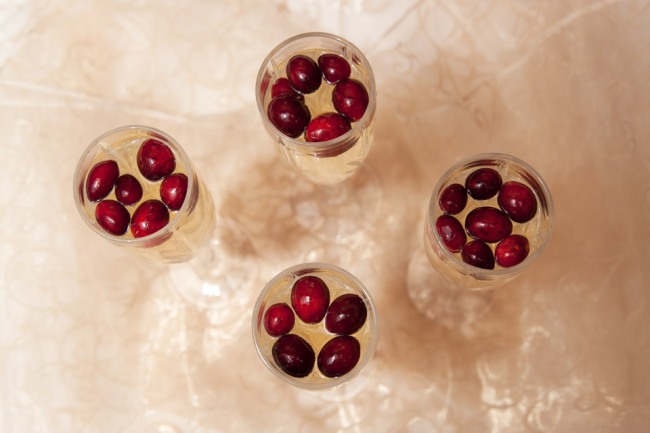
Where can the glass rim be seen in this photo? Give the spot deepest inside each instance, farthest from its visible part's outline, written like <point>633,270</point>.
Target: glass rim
<point>305,269</point>
<point>547,205</point>
<point>357,126</point>
<point>79,186</point>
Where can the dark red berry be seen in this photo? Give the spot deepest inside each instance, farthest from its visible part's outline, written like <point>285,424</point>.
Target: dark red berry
<point>303,74</point>
<point>128,190</point>
<point>112,216</point>
<point>310,298</point>
<point>293,355</point>
<point>278,319</point>
<point>346,314</point>
<point>478,253</point>
<point>101,179</point>
<point>173,190</point>
<point>350,98</point>
<point>483,183</point>
<point>155,159</point>
<point>327,126</point>
<point>517,201</point>
<point>488,224</point>
<point>281,86</point>
<point>451,232</point>
<point>511,251</point>
<point>339,356</point>
<point>148,218</point>
<point>334,68</point>
<point>289,114</point>
<point>453,199</point>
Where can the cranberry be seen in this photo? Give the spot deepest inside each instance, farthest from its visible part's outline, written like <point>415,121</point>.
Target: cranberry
<point>289,114</point>
<point>517,201</point>
<point>326,126</point>
<point>346,314</point>
<point>488,224</point>
<point>451,232</point>
<point>101,178</point>
<point>155,159</point>
<point>453,199</point>
<point>478,253</point>
<point>148,218</point>
<point>128,190</point>
<point>112,216</point>
<point>278,319</point>
<point>173,190</point>
<point>483,183</point>
<point>293,355</point>
<point>339,356</point>
<point>310,298</point>
<point>281,86</point>
<point>512,250</point>
<point>334,68</point>
<point>350,98</point>
<point>303,74</point>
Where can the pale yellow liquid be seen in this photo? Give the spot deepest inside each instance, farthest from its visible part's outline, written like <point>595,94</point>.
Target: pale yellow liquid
<point>314,333</point>
<point>307,160</point>
<point>451,265</point>
<point>188,228</point>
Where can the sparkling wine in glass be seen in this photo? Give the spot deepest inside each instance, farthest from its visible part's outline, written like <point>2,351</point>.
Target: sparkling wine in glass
<point>315,326</point>
<point>317,100</point>
<point>136,187</point>
<point>489,217</point>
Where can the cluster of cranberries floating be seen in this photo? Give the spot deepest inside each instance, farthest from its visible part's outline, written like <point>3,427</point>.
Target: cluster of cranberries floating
<point>288,111</point>
<point>156,162</point>
<point>486,225</point>
<point>310,302</point>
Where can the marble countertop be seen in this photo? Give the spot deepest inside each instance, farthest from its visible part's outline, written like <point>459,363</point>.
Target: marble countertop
<point>95,340</point>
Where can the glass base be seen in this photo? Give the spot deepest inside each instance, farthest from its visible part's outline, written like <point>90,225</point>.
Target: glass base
<point>337,213</point>
<point>222,270</point>
<point>439,300</point>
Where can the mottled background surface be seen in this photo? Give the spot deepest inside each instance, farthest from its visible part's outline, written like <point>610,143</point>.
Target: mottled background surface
<point>93,340</point>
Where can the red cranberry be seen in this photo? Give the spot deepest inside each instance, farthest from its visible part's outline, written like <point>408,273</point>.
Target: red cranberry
<point>289,114</point>
<point>281,86</point>
<point>451,232</point>
<point>112,216</point>
<point>346,314</point>
<point>512,250</point>
<point>334,68</point>
<point>488,224</point>
<point>148,218</point>
<point>339,356</point>
<point>303,74</point>
<point>478,253</point>
<point>517,201</point>
<point>453,199</point>
<point>310,298</point>
<point>293,355</point>
<point>327,126</point>
<point>155,159</point>
<point>278,319</point>
<point>101,178</point>
<point>350,98</point>
<point>128,190</point>
<point>173,190</point>
<point>483,183</point>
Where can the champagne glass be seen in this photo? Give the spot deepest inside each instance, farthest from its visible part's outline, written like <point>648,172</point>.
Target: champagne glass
<point>316,97</point>
<point>489,218</point>
<point>136,187</point>
<point>315,326</point>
